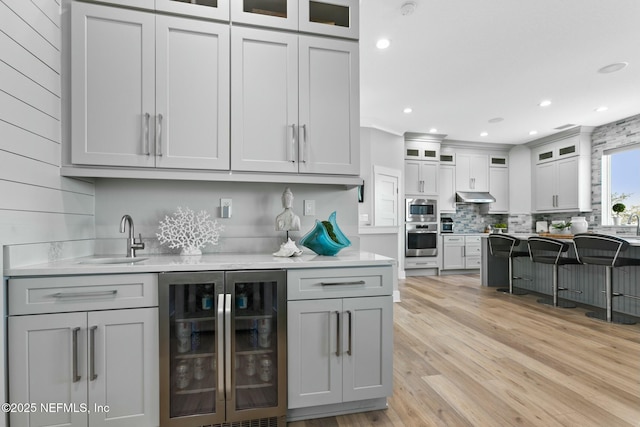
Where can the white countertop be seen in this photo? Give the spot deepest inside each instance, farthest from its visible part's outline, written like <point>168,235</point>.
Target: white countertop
<point>226,261</point>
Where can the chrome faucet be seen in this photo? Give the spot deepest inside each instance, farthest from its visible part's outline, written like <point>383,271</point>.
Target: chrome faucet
<point>131,240</point>
<point>637,222</point>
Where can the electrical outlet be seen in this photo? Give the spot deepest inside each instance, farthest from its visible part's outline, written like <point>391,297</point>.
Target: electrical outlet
<point>592,218</point>
<point>225,208</point>
<point>309,207</point>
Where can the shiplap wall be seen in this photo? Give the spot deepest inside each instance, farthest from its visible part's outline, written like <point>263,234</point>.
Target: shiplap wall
<point>37,205</point>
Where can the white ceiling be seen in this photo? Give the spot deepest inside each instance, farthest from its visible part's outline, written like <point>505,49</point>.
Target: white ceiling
<point>460,63</point>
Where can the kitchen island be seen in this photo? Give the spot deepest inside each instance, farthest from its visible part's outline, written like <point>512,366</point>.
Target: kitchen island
<point>330,349</point>
<point>587,281</point>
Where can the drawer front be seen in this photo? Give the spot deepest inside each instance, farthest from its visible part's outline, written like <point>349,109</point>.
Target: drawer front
<point>472,250</point>
<point>417,262</point>
<point>317,283</point>
<point>472,262</point>
<point>473,240</point>
<point>455,240</point>
<point>55,294</point>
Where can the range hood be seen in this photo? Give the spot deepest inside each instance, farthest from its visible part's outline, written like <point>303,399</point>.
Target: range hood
<point>474,197</point>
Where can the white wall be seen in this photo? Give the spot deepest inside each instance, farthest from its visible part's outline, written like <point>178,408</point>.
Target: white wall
<point>37,205</point>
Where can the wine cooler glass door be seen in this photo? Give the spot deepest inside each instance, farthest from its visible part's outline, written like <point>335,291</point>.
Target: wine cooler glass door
<point>257,336</point>
<point>191,349</point>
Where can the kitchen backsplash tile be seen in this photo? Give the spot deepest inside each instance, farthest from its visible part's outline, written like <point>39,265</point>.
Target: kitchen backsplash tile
<point>470,219</point>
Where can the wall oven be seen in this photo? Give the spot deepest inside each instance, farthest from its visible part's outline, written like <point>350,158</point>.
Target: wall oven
<point>421,210</point>
<point>421,240</point>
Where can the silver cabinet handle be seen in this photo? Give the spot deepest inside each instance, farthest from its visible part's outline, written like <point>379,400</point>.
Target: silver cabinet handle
<point>159,136</point>
<point>227,343</point>
<point>220,349</point>
<point>337,333</point>
<point>292,146</point>
<point>92,354</point>
<point>75,376</point>
<point>350,332</point>
<point>358,282</point>
<point>303,143</point>
<point>145,133</point>
<point>62,295</point>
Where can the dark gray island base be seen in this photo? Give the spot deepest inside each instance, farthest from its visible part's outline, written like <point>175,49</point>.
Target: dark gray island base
<point>589,279</point>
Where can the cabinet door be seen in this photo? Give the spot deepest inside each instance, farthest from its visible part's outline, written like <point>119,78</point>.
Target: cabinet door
<point>113,85</point>
<point>337,18</point>
<point>367,347</point>
<point>412,181</point>
<point>123,367</point>
<point>280,14</point>
<point>546,182</point>
<point>215,9</point>
<point>41,370</point>
<point>329,134</point>
<point>429,174</point>
<point>264,102</point>
<point>314,356</point>
<point>192,97</point>
<point>446,188</point>
<point>567,184</point>
<point>452,252</point>
<point>499,188</point>
<point>472,172</point>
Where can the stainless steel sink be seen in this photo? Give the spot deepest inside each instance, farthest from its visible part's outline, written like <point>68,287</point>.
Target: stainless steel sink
<point>112,260</point>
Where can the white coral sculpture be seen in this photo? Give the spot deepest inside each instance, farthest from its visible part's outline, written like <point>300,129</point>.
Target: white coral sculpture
<point>191,232</point>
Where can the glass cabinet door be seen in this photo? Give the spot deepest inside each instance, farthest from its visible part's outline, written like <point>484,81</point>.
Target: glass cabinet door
<point>257,343</point>
<point>190,355</point>
<point>215,9</point>
<point>281,14</point>
<point>334,17</point>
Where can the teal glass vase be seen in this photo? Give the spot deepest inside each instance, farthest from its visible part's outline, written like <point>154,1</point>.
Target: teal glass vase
<point>319,241</point>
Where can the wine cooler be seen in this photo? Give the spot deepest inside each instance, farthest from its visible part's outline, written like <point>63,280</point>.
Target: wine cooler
<point>222,348</point>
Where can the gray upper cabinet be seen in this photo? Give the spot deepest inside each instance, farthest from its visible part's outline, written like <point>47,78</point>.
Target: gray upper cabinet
<point>337,18</point>
<point>472,172</point>
<point>295,103</point>
<point>148,91</point>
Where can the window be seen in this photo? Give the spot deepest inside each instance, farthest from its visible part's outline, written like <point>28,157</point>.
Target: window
<point>620,183</point>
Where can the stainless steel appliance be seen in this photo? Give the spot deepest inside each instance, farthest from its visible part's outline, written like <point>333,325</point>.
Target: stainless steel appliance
<point>446,225</point>
<point>421,239</point>
<point>421,210</point>
<point>222,348</point>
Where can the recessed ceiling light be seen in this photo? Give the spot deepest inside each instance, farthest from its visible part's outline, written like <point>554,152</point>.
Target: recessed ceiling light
<point>601,109</point>
<point>484,134</point>
<point>612,68</point>
<point>496,120</point>
<point>533,132</point>
<point>383,43</point>
<point>433,130</point>
<point>408,110</point>
<point>545,103</point>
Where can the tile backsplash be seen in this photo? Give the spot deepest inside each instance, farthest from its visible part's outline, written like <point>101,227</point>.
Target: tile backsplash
<point>469,218</point>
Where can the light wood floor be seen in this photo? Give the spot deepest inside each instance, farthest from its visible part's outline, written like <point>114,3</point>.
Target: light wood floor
<point>465,355</point>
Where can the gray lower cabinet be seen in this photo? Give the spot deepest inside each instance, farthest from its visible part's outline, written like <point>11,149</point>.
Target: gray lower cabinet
<point>339,338</point>
<point>83,350</point>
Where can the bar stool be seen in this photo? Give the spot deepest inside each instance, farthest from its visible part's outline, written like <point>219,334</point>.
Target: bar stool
<point>601,249</point>
<point>503,246</point>
<point>545,250</point>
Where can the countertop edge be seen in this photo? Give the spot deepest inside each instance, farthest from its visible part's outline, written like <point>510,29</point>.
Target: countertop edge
<point>207,262</point>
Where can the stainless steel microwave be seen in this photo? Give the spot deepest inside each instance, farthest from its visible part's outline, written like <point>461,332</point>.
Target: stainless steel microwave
<point>421,210</point>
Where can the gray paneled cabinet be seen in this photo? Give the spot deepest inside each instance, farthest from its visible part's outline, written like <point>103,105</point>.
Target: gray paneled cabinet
<point>89,343</point>
<point>148,90</point>
<point>340,337</point>
<point>460,252</point>
<point>214,9</point>
<point>295,103</point>
<point>472,172</point>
